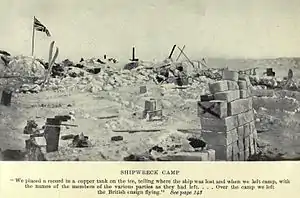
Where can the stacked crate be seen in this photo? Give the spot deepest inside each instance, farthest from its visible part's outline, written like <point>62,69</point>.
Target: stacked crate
<point>227,118</point>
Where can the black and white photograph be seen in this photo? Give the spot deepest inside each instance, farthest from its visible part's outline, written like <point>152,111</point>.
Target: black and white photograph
<point>167,80</point>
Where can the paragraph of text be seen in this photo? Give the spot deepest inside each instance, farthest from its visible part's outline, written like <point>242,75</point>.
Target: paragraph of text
<point>151,187</point>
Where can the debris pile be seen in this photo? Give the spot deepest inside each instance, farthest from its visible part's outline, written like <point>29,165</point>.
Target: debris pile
<point>212,74</point>
<point>272,82</point>
<point>168,145</point>
<point>4,59</point>
<point>175,142</point>
<point>29,88</point>
<point>31,127</point>
<point>94,75</point>
<point>25,66</point>
<point>105,77</point>
<point>5,53</point>
<point>80,141</point>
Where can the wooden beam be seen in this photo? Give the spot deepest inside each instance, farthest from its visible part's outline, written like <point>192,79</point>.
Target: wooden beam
<point>172,51</point>
<point>70,125</point>
<point>186,57</point>
<point>190,130</point>
<point>108,117</point>
<point>180,53</point>
<point>137,130</point>
<point>133,55</point>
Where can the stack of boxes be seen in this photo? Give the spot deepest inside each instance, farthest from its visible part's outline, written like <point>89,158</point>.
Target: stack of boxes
<point>227,118</point>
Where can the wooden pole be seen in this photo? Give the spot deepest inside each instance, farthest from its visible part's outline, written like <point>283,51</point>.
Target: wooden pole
<point>172,51</point>
<point>133,53</point>
<point>138,130</point>
<point>186,56</point>
<point>33,35</point>
<point>180,53</point>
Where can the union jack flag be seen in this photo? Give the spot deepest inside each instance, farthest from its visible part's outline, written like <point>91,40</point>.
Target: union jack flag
<point>38,26</point>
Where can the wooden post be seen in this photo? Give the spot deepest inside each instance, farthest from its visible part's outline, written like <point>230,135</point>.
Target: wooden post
<point>172,51</point>
<point>6,97</point>
<point>180,53</point>
<point>133,53</point>
<point>52,133</point>
<point>186,57</point>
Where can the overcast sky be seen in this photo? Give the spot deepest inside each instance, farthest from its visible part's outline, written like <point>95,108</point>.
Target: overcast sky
<point>208,28</point>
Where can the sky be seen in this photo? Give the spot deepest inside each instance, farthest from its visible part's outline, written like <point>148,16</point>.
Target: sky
<point>208,28</point>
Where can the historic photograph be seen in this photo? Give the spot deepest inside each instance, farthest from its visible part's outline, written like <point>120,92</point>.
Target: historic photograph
<point>108,80</point>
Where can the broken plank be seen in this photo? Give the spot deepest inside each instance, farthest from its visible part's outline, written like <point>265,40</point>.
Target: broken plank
<point>36,135</point>
<point>190,130</point>
<point>67,137</point>
<point>172,51</point>
<point>163,66</point>
<point>108,117</point>
<point>63,118</point>
<point>138,130</point>
<point>180,87</point>
<point>186,57</point>
<point>180,53</point>
<point>70,125</point>
<point>150,67</point>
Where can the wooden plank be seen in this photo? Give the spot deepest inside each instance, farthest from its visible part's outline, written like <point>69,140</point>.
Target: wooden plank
<point>137,130</point>
<point>186,57</point>
<point>108,117</point>
<point>67,137</point>
<point>196,131</point>
<point>172,51</point>
<point>180,53</point>
<point>180,87</point>
<point>70,125</point>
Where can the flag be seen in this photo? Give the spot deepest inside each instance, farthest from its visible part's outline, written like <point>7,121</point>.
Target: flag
<point>38,26</point>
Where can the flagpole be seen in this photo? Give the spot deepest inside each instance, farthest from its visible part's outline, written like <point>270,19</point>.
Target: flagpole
<point>33,34</point>
<point>32,44</point>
